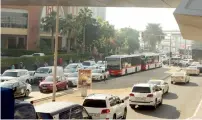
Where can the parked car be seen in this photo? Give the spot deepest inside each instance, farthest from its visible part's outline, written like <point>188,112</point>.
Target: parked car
<point>73,67</point>
<point>99,74</point>
<point>89,63</point>
<point>61,110</point>
<point>192,70</point>
<point>160,83</point>
<point>195,63</point>
<point>105,106</point>
<point>187,62</point>
<point>199,67</point>
<point>20,88</point>
<point>47,84</point>
<point>31,74</point>
<point>181,77</point>
<point>145,94</point>
<point>73,79</point>
<point>21,74</point>
<point>43,72</point>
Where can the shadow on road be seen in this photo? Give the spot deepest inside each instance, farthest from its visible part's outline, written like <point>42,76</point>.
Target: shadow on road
<point>190,84</point>
<point>164,111</point>
<point>170,96</point>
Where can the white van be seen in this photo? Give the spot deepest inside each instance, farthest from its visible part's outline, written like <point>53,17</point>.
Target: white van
<point>43,72</point>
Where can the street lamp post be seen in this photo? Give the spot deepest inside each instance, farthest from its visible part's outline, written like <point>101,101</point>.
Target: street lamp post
<point>55,54</point>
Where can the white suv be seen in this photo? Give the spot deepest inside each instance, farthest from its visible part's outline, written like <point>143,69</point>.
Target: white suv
<point>146,95</point>
<point>21,74</point>
<point>104,106</point>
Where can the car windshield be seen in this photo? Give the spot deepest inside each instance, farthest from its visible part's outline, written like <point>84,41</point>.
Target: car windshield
<point>71,66</point>
<point>73,75</point>
<point>86,63</point>
<point>42,70</point>
<point>96,71</point>
<point>154,82</point>
<point>44,116</point>
<point>95,103</point>
<point>141,90</point>
<point>49,79</point>
<point>11,74</point>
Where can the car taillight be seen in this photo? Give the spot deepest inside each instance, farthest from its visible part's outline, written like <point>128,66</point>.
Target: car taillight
<point>131,94</point>
<point>105,111</point>
<point>150,95</point>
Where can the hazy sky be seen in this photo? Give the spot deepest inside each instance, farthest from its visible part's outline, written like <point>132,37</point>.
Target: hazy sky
<point>138,18</point>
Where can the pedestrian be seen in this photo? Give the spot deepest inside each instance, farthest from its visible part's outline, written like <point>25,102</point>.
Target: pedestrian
<point>45,64</point>
<point>13,67</point>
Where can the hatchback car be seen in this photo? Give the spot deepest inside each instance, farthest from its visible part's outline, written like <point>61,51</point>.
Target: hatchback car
<point>47,84</point>
<point>61,110</point>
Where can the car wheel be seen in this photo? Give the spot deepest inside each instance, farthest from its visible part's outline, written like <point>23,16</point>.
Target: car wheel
<point>125,114</point>
<point>132,106</point>
<point>167,90</point>
<point>155,104</point>
<point>171,82</point>
<point>70,84</point>
<point>161,100</point>
<point>27,93</point>
<point>114,117</point>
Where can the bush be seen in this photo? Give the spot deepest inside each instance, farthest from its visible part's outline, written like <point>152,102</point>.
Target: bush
<point>29,61</point>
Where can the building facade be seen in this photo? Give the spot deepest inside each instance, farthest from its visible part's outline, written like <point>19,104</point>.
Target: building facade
<point>99,12</point>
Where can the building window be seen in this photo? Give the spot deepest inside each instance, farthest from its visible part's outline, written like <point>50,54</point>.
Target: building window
<point>11,19</point>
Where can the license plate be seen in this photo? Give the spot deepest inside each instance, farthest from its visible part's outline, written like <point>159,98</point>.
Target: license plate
<point>140,99</point>
<point>44,88</point>
<point>95,114</point>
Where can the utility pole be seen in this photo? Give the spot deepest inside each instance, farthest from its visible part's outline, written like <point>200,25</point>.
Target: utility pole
<point>170,52</point>
<point>185,47</point>
<point>55,54</point>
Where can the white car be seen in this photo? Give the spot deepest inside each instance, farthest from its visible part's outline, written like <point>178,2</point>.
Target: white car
<point>72,79</point>
<point>87,64</point>
<point>73,67</point>
<point>104,106</point>
<point>145,94</point>
<point>192,70</point>
<point>31,73</point>
<point>99,74</point>
<point>195,63</point>
<point>181,77</point>
<point>21,74</point>
<point>160,83</point>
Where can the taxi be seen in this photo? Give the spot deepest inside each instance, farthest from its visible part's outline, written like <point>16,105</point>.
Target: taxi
<point>180,77</point>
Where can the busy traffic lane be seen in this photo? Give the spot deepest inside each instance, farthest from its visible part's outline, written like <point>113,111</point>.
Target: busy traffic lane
<point>180,103</point>
<point>129,80</point>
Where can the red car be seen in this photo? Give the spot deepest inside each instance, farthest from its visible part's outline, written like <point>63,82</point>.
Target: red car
<point>47,84</point>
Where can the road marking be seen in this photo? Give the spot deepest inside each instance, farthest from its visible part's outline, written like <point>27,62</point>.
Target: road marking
<point>197,109</point>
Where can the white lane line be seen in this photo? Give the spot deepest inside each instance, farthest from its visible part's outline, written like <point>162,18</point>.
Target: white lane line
<point>197,109</point>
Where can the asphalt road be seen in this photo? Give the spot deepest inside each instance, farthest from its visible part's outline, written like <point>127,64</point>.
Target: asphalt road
<point>180,103</point>
<point>113,83</point>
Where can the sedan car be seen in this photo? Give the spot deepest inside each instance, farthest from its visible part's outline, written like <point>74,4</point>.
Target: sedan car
<point>20,88</point>
<point>72,79</point>
<point>73,67</point>
<point>161,83</point>
<point>192,70</point>
<point>99,74</point>
<point>200,67</point>
<point>47,84</point>
<point>180,77</point>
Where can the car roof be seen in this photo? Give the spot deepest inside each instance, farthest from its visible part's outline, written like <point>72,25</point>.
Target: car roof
<point>51,67</point>
<point>143,85</point>
<point>99,96</point>
<point>16,70</point>
<point>54,107</point>
<point>74,63</point>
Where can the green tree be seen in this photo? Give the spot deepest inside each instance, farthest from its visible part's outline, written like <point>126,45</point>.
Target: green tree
<point>67,28</point>
<point>153,35</point>
<point>49,25</point>
<point>84,18</point>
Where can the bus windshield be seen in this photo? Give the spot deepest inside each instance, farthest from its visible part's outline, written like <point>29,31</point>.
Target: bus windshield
<point>113,63</point>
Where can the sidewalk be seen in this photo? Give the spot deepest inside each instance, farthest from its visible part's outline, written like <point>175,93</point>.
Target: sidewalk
<point>76,96</point>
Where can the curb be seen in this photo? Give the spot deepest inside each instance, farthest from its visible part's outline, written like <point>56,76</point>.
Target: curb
<point>57,95</point>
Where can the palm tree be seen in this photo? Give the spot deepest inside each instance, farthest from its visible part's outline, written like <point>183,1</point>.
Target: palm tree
<point>84,18</point>
<point>49,25</point>
<point>66,27</point>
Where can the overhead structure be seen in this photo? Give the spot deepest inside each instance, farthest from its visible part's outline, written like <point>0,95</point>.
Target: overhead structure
<point>189,18</point>
<point>95,3</point>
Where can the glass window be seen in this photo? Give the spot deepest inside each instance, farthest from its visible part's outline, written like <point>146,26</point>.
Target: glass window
<point>64,115</point>
<point>95,103</point>
<point>141,89</point>
<point>44,116</point>
<point>11,74</point>
<point>25,112</point>
<point>42,70</point>
<point>112,102</point>
<point>76,113</point>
